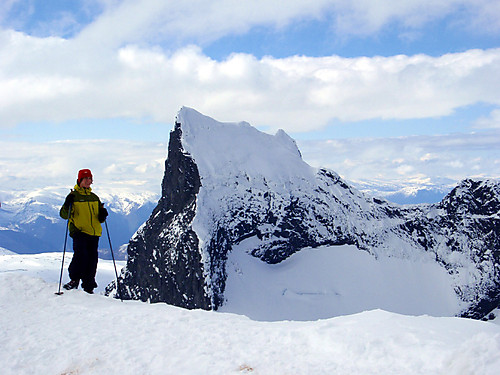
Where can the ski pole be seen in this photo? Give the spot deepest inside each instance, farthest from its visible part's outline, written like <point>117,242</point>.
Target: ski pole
<point>64,251</point>
<point>113,256</point>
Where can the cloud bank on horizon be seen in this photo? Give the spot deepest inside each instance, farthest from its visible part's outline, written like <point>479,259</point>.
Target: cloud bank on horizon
<point>318,70</point>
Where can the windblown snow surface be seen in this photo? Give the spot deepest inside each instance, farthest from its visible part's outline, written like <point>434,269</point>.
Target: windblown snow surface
<point>332,281</point>
<point>78,333</point>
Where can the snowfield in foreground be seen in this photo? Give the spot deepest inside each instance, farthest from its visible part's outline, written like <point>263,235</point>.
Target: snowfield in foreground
<point>77,333</point>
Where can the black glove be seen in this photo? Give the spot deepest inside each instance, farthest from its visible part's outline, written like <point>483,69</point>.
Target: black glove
<point>103,214</point>
<point>69,200</point>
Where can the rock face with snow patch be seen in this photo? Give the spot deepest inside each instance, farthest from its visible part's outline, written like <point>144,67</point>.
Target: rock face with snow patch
<point>225,183</point>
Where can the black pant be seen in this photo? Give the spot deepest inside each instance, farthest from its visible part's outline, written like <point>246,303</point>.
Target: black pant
<point>83,266</point>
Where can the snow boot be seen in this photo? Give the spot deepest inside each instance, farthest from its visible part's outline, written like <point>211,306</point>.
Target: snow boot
<point>73,284</point>
<point>89,286</point>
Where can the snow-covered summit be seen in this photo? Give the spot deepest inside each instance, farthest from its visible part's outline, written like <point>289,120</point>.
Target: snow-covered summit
<point>234,150</point>
<point>229,189</point>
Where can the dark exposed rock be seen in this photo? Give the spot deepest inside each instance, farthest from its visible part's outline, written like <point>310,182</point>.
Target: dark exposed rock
<point>165,264</point>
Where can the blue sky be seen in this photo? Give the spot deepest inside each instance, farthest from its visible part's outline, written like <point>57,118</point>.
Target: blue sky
<point>370,70</point>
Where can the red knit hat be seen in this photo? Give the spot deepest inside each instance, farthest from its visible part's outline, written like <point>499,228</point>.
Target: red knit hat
<point>82,173</point>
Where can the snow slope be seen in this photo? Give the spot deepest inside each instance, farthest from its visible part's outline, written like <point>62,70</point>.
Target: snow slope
<point>77,333</point>
<point>333,281</point>
<point>47,266</point>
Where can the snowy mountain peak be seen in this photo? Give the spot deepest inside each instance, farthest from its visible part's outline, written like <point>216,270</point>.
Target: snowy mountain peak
<point>227,150</point>
<point>476,197</point>
<point>232,193</point>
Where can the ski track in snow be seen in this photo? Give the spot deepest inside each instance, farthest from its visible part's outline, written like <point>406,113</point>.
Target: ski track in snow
<point>77,333</point>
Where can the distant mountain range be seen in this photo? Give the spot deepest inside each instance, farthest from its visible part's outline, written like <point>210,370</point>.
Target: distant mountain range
<point>407,194</point>
<point>30,222</point>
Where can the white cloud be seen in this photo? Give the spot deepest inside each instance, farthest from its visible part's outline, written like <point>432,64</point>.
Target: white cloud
<point>196,21</point>
<point>120,22</point>
<point>116,23</point>
<point>59,79</point>
<point>363,17</point>
<point>483,16</point>
<point>110,70</point>
<point>493,121</point>
<point>429,159</point>
<point>6,7</point>
<point>117,166</point>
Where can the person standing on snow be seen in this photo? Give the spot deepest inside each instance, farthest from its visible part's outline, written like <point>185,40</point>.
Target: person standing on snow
<point>87,214</point>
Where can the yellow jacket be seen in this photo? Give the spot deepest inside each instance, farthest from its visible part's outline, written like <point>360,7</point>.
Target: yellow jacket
<point>84,212</point>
